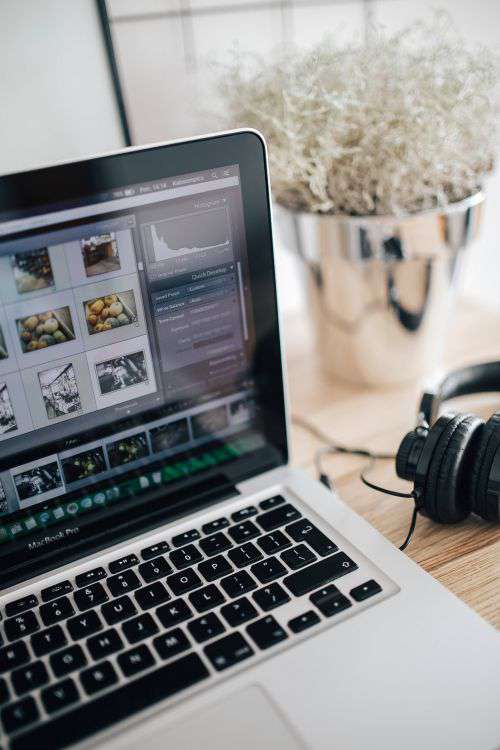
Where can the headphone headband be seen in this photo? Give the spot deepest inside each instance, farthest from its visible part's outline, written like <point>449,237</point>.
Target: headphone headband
<point>484,378</point>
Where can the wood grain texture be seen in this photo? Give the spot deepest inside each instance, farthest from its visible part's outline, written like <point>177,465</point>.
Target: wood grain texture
<point>465,557</point>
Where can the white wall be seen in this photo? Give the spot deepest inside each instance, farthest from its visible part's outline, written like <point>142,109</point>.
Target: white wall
<point>56,97</point>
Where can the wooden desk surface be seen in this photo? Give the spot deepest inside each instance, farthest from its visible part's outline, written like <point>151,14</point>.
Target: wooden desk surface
<point>465,557</point>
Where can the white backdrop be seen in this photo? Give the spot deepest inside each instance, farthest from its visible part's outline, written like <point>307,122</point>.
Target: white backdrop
<point>56,97</point>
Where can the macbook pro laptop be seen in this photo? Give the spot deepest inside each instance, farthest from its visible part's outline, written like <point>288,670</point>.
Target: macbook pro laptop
<point>167,580</point>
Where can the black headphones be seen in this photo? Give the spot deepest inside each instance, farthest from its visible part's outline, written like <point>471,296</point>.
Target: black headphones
<point>454,459</point>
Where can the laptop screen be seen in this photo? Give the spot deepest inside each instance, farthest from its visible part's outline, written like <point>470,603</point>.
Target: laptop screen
<point>127,352</point>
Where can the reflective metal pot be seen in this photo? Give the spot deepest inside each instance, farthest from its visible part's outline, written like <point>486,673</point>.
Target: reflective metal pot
<point>381,288</point>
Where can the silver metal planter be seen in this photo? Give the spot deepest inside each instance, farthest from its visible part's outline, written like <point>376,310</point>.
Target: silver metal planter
<point>381,288</point>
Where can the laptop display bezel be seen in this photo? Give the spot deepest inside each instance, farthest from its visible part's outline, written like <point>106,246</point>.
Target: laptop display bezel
<point>29,193</point>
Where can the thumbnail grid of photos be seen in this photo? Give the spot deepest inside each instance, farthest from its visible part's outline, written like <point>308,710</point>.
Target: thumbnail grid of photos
<point>40,481</point>
<point>73,335</point>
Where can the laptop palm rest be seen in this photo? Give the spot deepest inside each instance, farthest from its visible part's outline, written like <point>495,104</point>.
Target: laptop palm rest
<point>246,720</point>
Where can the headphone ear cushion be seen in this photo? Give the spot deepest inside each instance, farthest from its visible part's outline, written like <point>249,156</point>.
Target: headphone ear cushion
<point>446,498</point>
<point>481,467</point>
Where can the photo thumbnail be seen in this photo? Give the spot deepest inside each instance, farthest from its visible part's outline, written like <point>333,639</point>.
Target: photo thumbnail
<point>42,330</point>
<point>32,270</point>
<point>38,480</point>
<point>122,372</point>
<point>4,352</point>
<point>111,311</point>
<point>100,254</point>
<point>209,422</point>
<point>84,465</point>
<point>169,435</point>
<point>128,449</point>
<point>60,391</point>
<point>7,416</point>
<point>3,501</point>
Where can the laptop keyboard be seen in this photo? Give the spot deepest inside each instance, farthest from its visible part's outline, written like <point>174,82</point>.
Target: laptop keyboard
<point>85,653</point>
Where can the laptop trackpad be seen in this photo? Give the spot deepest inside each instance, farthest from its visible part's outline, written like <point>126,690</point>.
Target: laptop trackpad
<point>246,721</point>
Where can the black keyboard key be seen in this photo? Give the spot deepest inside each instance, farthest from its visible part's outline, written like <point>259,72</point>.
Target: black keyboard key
<point>188,536</point>
<point>274,542</point>
<point>57,590</point>
<point>206,627</point>
<point>153,569</point>
<point>172,643</point>
<point>269,569</point>
<point>241,515</point>
<point>90,596</point>
<point>228,651</point>
<point>104,644</point>
<point>212,545</point>
<point>124,563</point>
<point>185,556</point>
<point>19,715</point>
<point>154,550</point>
<point>4,692</point>
<point>136,660</point>
<point>270,597</point>
<point>302,622</point>
<point>215,568</point>
<point>319,574</point>
<point>237,584</point>
<point>108,709</point>
<point>48,640</point>
<point>20,605</point>
<point>206,598</point>
<point>277,517</point>
<point>91,576</point>
<point>98,678</point>
<point>152,595</point>
<point>272,502</point>
<point>13,656</point>
<point>212,526</point>
<point>330,601</point>
<point>84,625</point>
<point>139,628</point>
<point>118,610</point>
<point>239,611</point>
<point>298,556</point>
<point>123,583</point>
<point>181,583</point>
<point>59,696</point>
<point>17,627</point>
<point>367,589</point>
<point>66,661</point>
<point>28,678</point>
<point>243,532</point>
<point>304,531</point>
<point>244,555</point>
<point>266,632</point>
<point>57,610</point>
<point>173,613</point>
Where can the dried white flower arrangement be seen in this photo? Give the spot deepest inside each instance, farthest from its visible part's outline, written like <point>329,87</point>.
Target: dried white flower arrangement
<point>395,125</point>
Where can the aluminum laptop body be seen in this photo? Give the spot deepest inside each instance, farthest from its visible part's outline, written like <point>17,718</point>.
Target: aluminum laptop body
<point>168,580</point>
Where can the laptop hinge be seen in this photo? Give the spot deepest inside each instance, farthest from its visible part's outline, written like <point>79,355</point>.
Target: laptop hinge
<point>110,530</point>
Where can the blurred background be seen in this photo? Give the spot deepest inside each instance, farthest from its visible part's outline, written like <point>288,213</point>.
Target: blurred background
<point>87,76</point>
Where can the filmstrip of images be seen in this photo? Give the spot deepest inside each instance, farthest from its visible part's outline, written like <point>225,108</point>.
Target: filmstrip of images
<point>38,482</point>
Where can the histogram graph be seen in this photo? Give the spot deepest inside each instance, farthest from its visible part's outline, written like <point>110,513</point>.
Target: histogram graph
<point>188,234</point>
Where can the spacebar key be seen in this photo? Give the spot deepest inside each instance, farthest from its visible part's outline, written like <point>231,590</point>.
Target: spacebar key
<point>75,726</point>
<point>317,575</point>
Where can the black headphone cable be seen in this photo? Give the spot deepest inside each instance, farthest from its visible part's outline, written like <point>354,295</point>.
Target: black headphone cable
<point>334,447</point>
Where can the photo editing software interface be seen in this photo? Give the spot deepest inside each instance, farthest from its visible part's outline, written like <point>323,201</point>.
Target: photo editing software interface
<point>126,338</point>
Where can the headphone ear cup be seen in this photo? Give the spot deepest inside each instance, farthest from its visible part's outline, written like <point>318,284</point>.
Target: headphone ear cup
<point>481,468</point>
<point>446,497</point>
